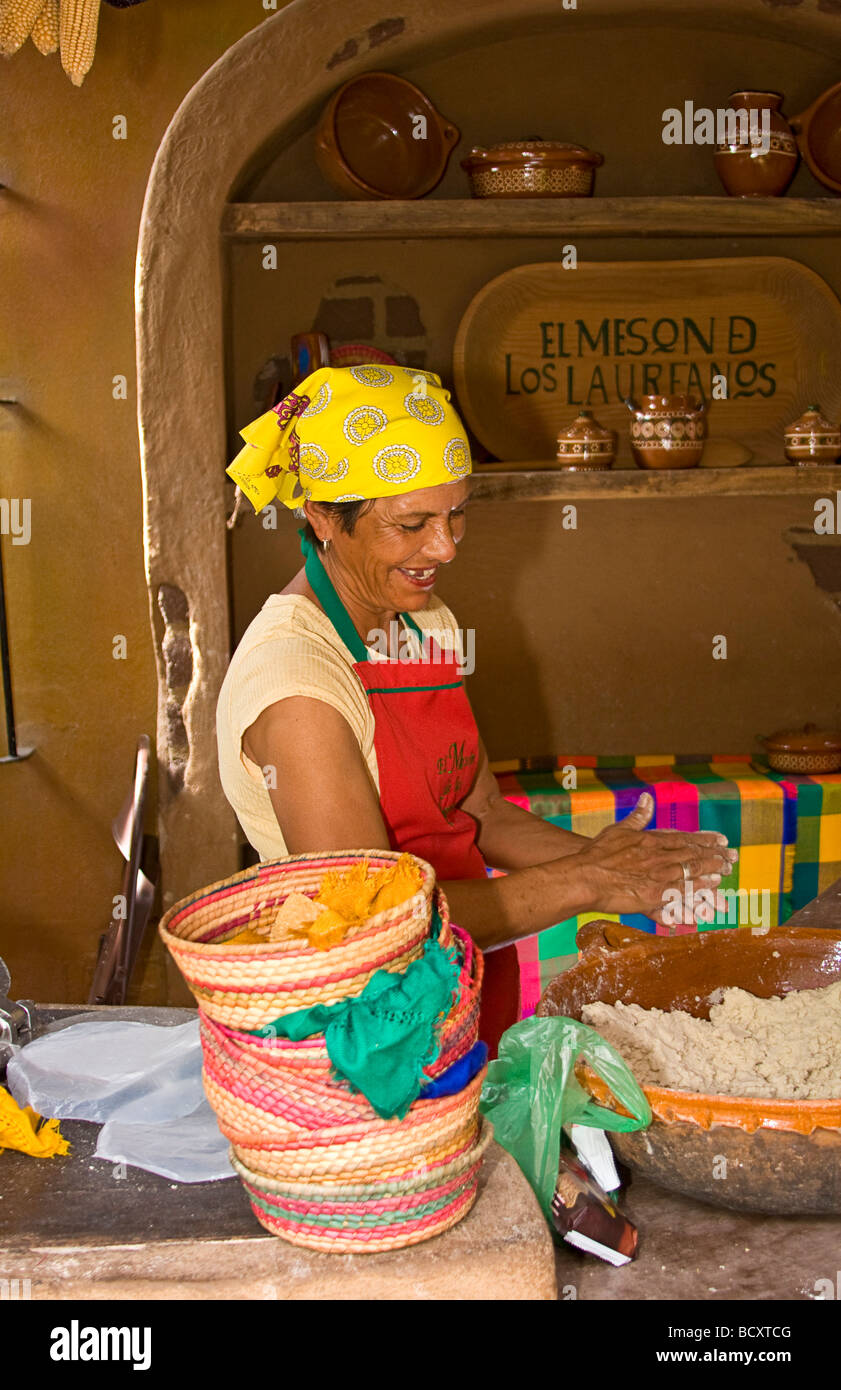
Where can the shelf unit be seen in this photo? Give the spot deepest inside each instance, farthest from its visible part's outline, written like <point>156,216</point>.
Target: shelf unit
<point>669,216</point>
<point>525,483</point>
<point>534,217</point>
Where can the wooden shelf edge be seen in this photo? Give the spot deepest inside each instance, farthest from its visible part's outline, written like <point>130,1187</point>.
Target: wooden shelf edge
<point>522,483</point>
<point>682,215</point>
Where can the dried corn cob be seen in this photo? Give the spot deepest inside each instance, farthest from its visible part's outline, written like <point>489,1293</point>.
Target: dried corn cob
<point>16,20</point>
<point>45,28</point>
<point>78,20</point>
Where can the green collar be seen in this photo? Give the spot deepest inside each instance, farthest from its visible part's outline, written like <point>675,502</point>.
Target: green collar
<point>322,586</point>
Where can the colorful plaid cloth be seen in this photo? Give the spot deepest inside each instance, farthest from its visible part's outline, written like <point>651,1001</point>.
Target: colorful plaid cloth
<point>786,828</point>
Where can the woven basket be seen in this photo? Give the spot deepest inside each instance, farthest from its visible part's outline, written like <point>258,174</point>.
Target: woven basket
<point>349,1147</point>
<point>308,1060</point>
<point>365,1217</point>
<point>248,986</point>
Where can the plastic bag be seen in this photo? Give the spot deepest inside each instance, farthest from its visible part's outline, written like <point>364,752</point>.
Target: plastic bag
<point>107,1069</point>
<point>187,1149</point>
<point>531,1093</point>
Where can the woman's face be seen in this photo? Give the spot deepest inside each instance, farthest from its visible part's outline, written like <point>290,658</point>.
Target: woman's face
<point>391,561</point>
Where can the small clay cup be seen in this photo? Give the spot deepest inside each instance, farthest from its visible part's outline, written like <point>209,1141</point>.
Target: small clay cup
<point>668,431</point>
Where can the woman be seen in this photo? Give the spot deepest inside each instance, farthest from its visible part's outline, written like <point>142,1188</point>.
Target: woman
<point>331,738</point>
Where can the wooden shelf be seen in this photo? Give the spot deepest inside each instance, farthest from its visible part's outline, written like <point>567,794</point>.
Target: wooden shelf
<point>525,483</point>
<point>534,217</point>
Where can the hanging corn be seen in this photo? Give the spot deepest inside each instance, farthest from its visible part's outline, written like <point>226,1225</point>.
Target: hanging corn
<point>70,25</point>
<point>16,20</point>
<point>78,21</point>
<point>45,28</point>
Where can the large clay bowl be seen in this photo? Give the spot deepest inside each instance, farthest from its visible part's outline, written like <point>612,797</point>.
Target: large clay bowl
<point>819,137</point>
<point>366,143</point>
<point>777,1156</point>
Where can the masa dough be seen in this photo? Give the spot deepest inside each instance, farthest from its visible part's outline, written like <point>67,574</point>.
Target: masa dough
<point>785,1048</point>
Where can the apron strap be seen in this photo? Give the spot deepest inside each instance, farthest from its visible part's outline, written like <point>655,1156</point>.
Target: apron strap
<point>322,586</point>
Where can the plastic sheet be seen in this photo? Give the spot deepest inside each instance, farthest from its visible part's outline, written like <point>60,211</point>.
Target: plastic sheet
<point>187,1149</point>
<point>531,1094</point>
<point>111,1069</point>
<point>141,1081</point>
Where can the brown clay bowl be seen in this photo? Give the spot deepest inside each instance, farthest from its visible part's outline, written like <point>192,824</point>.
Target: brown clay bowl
<point>818,132</point>
<point>782,1156</point>
<point>365,142</point>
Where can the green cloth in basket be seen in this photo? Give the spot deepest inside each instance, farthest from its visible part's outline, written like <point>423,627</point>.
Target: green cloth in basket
<point>381,1040</point>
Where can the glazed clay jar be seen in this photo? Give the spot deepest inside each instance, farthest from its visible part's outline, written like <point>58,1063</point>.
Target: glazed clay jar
<point>812,439</point>
<point>668,431</point>
<point>585,446</point>
<point>745,167</point>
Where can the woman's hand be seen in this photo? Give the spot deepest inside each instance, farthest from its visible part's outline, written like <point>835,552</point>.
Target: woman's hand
<point>631,871</point>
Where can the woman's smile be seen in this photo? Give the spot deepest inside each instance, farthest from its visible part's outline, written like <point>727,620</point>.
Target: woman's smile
<point>419,578</point>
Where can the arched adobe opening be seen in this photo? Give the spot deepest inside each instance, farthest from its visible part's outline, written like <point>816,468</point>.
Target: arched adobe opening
<point>260,94</point>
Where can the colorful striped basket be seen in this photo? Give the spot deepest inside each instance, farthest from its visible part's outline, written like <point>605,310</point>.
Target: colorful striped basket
<point>321,1168</point>
<point>283,1063</point>
<point>385,1213</point>
<point>250,985</point>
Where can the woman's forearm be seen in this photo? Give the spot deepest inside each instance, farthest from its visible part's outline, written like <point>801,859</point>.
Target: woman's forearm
<point>510,837</point>
<point>498,910</point>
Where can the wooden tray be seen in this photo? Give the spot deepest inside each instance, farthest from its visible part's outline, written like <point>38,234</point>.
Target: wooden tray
<point>767,323</point>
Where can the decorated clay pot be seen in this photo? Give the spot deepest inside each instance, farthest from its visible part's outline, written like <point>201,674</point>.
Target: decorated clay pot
<point>531,169</point>
<point>804,750</point>
<point>668,431</point>
<point>747,165</point>
<point>812,439</point>
<point>585,446</point>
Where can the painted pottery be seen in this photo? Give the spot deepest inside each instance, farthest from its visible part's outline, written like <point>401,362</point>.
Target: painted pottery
<point>585,446</point>
<point>668,431</point>
<point>746,168</point>
<point>818,131</point>
<point>809,750</point>
<point>531,169</point>
<point>380,137</point>
<point>782,1156</point>
<point>811,439</point>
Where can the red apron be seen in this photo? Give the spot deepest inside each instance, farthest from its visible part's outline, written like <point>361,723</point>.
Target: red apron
<point>427,748</point>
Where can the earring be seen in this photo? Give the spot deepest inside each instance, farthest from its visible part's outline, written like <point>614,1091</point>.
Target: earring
<point>325,544</point>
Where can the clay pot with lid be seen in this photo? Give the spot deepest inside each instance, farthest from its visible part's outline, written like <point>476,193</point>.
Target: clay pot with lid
<point>811,439</point>
<point>745,167</point>
<point>668,431</point>
<point>808,750</point>
<point>585,446</point>
<point>531,169</point>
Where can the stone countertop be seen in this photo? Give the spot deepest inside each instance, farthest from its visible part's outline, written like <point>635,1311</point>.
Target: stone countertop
<point>823,911</point>
<point>689,1251</point>
<point>82,1228</point>
<point>141,1236</point>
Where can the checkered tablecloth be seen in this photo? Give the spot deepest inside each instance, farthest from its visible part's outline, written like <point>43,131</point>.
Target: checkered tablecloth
<point>786,828</point>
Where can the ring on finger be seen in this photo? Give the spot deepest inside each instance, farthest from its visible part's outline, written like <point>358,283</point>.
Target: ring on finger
<point>686,872</point>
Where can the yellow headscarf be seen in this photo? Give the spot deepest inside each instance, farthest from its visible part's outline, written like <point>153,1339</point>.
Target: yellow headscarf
<point>347,433</point>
